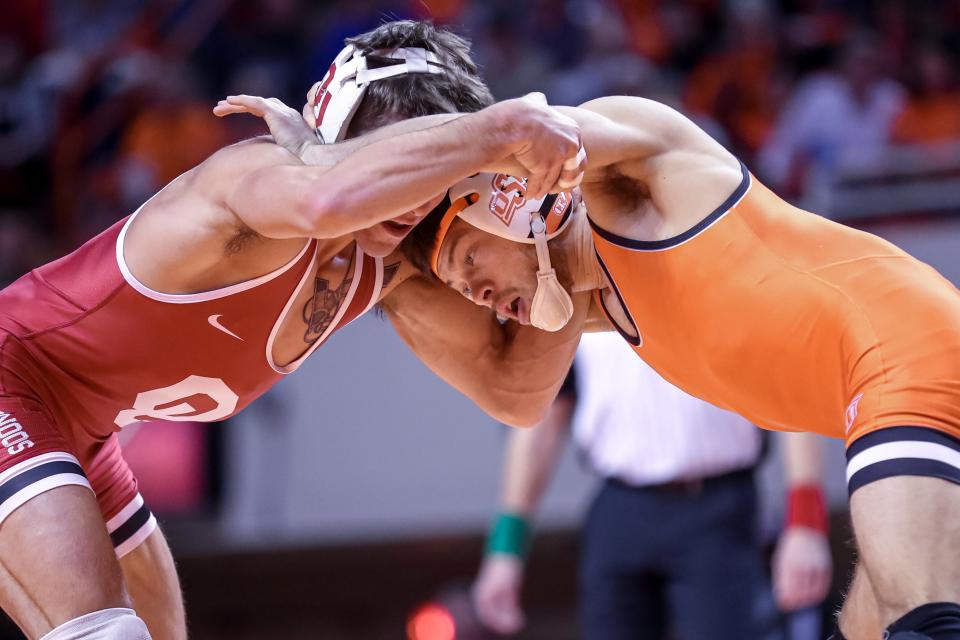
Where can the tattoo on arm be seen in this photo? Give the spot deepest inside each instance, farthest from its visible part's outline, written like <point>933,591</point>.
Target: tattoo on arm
<point>321,308</point>
<point>389,272</point>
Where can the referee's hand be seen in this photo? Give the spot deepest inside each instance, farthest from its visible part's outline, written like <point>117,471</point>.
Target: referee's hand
<point>802,568</point>
<point>496,593</point>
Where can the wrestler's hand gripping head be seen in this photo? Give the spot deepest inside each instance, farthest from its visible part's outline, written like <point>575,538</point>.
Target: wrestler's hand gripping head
<point>496,204</point>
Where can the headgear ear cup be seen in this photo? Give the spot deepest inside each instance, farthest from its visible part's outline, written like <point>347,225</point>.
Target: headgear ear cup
<point>551,308</point>
<point>348,77</point>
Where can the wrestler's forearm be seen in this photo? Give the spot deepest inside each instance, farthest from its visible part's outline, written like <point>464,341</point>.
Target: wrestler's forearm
<point>374,183</point>
<point>392,176</point>
<point>511,372</point>
<point>317,154</point>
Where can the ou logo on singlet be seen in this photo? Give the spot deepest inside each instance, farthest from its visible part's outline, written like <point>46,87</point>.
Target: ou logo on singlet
<point>172,403</point>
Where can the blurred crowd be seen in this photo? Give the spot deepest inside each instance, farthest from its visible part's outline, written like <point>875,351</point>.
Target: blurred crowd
<point>104,101</point>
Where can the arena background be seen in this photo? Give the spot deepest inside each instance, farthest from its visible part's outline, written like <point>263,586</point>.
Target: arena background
<point>359,489</point>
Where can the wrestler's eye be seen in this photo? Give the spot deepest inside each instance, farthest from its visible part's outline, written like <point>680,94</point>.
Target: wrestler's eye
<point>466,291</point>
<point>469,259</point>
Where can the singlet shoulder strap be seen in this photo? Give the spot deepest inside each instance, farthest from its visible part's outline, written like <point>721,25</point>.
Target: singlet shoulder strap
<point>202,296</point>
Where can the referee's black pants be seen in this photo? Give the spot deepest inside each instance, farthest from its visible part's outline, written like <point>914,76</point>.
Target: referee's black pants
<point>678,557</point>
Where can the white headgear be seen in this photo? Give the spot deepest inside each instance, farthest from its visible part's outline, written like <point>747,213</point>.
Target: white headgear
<point>347,79</point>
<point>497,204</point>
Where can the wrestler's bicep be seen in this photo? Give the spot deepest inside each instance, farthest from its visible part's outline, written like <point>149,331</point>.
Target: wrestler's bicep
<point>612,137</point>
<point>628,132</point>
<point>259,185</point>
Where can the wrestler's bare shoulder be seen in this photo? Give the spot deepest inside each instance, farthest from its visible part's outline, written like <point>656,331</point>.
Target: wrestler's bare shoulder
<point>652,173</point>
<point>187,239</point>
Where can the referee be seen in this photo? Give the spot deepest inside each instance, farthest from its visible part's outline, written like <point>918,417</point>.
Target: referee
<point>670,540</point>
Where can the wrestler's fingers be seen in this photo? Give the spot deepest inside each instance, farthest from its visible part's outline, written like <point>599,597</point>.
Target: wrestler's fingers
<point>538,183</point>
<point>575,161</point>
<point>568,180</point>
<point>573,170</point>
<point>224,109</point>
<point>532,172</point>
<point>253,104</point>
<point>549,181</point>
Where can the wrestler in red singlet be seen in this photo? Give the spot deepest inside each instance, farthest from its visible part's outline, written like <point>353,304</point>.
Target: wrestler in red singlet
<point>86,349</point>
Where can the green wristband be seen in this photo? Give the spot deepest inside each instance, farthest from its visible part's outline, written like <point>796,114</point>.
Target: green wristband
<point>510,534</point>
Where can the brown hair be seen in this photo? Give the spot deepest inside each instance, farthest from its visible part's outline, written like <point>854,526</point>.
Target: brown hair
<point>458,89</point>
<point>417,247</point>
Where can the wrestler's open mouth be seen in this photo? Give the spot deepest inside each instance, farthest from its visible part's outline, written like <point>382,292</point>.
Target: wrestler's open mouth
<point>516,310</point>
<point>523,310</point>
<point>508,309</point>
<point>396,230</point>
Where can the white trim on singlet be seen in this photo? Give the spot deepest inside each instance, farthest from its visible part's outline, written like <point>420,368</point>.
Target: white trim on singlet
<point>902,449</point>
<point>42,484</point>
<point>124,514</point>
<point>137,538</point>
<point>203,296</point>
<point>377,286</point>
<point>36,461</point>
<point>290,368</point>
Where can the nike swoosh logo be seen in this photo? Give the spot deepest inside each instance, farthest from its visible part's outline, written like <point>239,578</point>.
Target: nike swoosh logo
<point>214,321</point>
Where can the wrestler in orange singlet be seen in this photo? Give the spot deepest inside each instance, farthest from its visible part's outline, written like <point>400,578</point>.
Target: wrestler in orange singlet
<point>794,321</point>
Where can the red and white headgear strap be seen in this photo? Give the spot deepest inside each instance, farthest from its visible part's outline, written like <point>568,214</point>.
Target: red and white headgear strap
<point>347,80</point>
<point>497,204</point>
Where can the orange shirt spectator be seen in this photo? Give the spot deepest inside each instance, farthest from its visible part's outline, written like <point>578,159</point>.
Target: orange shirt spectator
<point>169,139</point>
<point>933,111</point>
<point>739,86</point>
<point>736,88</point>
<point>929,119</point>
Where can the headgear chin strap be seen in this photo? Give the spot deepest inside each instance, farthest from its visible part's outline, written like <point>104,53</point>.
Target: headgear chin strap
<point>347,80</point>
<point>497,204</point>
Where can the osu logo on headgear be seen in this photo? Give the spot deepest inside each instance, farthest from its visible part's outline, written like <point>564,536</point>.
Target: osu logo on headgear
<point>509,194</point>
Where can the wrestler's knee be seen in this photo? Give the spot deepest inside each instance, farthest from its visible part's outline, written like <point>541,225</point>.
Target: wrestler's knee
<point>106,624</point>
